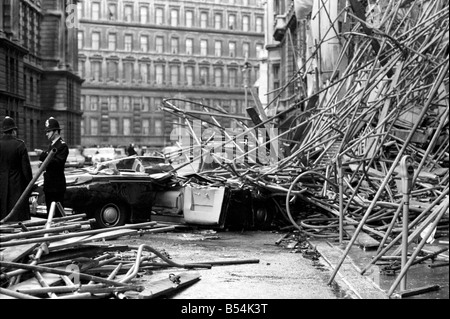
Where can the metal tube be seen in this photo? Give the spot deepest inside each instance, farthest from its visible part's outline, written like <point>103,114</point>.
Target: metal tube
<point>27,190</point>
<point>419,260</point>
<point>16,294</point>
<point>416,252</point>
<point>416,220</point>
<point>39,232</point>
<point>341,199</point>
<point>134,270</point>
<point>61,272</point>
<point>443,73</point>
<point>81,233</point>
<point>405,237</point>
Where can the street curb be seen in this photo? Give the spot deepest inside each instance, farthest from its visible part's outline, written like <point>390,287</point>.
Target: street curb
<point>349,275</point>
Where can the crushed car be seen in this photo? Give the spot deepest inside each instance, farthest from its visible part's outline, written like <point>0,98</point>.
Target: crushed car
<point>122,191</point>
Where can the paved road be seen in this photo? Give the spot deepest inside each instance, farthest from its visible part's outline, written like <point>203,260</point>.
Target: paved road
<point>281,273</point>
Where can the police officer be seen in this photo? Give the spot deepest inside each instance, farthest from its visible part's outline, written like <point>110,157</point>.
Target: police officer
<point>54,178</point>
<point>15,173</point>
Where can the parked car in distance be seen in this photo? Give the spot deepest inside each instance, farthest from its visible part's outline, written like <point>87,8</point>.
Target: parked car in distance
<point>108,153</point>
<point>88,153</point>
<point>75,159</point>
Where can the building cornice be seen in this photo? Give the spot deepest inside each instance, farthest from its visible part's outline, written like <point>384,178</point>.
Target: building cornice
<point>128,26</point>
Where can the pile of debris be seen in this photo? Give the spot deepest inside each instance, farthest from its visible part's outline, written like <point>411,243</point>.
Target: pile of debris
<point>369,138</point>
<point>63,258</point>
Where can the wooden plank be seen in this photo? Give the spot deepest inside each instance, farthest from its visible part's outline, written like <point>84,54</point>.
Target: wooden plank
<point>15,253</point>
<point>68,242</point>
<point>164,287</point>
<point>363,240</point>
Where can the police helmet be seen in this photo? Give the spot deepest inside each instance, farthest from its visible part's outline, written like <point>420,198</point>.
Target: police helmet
<point>9,124</point>
<point>51,124</point>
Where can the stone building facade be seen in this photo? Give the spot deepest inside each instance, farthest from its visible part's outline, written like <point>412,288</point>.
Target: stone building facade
<point>135,54</point>
<point>38,69</point>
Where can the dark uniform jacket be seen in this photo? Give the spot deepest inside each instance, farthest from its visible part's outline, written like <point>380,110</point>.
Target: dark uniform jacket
<point>54,178</point>
<point>15,175</point>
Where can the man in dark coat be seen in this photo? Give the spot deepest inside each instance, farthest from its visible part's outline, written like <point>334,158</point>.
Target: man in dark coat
<point>15,173</point>
<point>54,178</point>
<point>131,151</point>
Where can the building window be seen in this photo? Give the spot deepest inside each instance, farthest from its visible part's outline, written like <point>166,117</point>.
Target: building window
<point>189,46</point>
<point>96,71</point>
<point>203,20</point>
<point>156,104</point>
<point>158,128</point>
<point>143,71</point>
<point>276,76</point>
<point>94,103</point>
<point>82,68</point>
<point>233,107</point>
<point>94,126</point>
<point>144,43</point>
<point>204,76</point>
<point>126,126</point>
<point>189,76</point>
<point>218,77</point>
<point>174,17</point>
<point>95,11</point>
<point>113,71</point>
<point>218,21</point>
<point>128,69</point>
<point>113,103</point>
<point>126,103</point>
<point>143,14</point>
<point>159,44</point>
<point>246,50</point>
<point>218,48</point>
<point>204,47</point>
<point>112,42</point>
<point>259,51</point>
<point>146,127</point>
<point>112,12</point>
<point>95,40</point>
<point>113,127</point>
<point>189,19</point>
<point>80,10</point>
<point>159,76</point>
<point>174,75</point>
<point>82,128</point>
<point>174,45</point>
<point>231,22</point>
<point>82,101</point>
<point>245,23</point>
<point>128,13</point>
<point>232,76</point>
<point>80,39</point>
<point>159,16</point>
<point>145,104</point>
<point>259,25</point>
<point>128,45</point>
<point>232,49</point>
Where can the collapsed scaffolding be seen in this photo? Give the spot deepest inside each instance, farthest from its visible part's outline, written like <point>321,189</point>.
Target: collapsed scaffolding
<point>384,97</point>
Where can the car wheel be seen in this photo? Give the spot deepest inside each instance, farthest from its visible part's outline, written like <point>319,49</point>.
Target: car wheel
<point>263,216</point>
<point>111,215</point>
